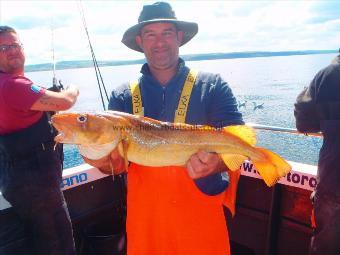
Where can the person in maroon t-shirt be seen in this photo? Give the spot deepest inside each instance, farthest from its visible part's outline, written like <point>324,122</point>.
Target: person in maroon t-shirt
<point>18,94</point>
<point>30,168</point>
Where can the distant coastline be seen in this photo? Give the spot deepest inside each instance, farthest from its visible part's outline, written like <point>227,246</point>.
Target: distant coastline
<point>191,57</point>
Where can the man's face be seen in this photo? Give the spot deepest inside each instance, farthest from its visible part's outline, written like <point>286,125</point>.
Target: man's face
<point>160,43</point>
<point>12,60</point>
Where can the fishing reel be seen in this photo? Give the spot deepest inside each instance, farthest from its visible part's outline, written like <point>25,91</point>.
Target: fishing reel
<point>57,86</point>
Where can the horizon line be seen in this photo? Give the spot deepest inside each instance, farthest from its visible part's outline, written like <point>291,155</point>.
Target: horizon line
<point>187,57</point>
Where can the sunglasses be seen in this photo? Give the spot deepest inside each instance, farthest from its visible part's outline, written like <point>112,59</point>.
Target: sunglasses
<point>5,48</point>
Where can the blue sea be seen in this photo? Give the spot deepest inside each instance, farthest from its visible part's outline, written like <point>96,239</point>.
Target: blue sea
<point>273,81</point>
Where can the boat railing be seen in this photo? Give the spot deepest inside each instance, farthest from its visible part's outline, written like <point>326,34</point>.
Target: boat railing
<point>281,129</point>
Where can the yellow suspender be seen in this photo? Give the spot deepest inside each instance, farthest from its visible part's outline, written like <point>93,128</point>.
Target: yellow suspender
<point>137,106</point>
<point>183,103</point>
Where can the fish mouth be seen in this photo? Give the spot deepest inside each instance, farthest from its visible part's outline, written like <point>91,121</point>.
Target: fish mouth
<point>63,135</point>
<point>60,137</point>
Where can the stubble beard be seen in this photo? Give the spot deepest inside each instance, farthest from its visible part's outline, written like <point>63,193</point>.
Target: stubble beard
<point>16,65</point>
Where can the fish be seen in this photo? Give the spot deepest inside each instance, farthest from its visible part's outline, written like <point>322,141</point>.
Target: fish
<point>150,142</point>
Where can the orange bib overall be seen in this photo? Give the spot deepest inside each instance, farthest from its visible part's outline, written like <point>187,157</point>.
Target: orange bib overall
<point>168,214</point>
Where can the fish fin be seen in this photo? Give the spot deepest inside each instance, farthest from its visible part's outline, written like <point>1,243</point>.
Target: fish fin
<point>233,161</point>
<point>125,146</point>
<point>272,168</point>
<point>245,133</point>
<point>180,126</point>
<point>149,120</point>
<point>96,151</point>
<point>171,126</point>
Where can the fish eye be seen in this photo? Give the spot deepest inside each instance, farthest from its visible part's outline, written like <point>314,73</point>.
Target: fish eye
<point>82,118</point>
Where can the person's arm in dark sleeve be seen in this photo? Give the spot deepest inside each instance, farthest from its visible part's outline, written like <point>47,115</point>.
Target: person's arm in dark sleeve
<point>305,110</point>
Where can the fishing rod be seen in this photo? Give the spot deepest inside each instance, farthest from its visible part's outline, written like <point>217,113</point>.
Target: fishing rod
<point>99,77</point>
<point>54,79</point>
<point>55,86</point>
<point>282,130</point>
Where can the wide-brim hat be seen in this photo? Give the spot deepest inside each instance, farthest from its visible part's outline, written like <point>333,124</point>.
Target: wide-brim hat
<point>154,13</point>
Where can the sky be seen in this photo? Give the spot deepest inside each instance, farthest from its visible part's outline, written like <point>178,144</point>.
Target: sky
<point>224,26</point>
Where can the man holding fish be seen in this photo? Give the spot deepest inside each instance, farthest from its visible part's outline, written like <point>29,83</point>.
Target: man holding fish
<point>177,180</point>
<point>174,210</point>
<point>30,168</point>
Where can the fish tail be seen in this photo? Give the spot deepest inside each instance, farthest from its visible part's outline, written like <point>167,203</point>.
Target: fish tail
<point>271,166</point>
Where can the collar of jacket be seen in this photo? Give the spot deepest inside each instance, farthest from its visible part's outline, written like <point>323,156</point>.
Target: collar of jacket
<point>146,70</point>
<point>174,84</point>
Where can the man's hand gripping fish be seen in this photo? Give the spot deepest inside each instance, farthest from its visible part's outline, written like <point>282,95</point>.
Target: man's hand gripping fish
<point>150,142</point>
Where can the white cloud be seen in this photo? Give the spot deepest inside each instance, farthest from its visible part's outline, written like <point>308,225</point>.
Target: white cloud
<point>224,26</point>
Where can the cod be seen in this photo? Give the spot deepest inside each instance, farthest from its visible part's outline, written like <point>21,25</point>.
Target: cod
<point>154,143</point>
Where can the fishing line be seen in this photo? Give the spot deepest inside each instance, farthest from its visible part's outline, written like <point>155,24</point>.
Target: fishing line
<point>99,77</point>
<point>100,81</point>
